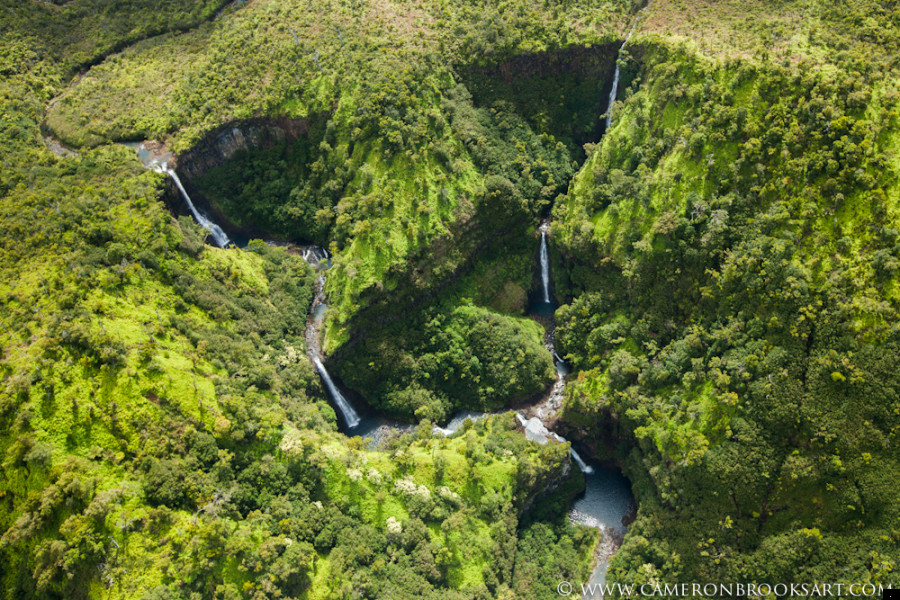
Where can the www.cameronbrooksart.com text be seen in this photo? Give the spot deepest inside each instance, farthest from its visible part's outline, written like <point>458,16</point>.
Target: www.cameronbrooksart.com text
<point>725,590</point>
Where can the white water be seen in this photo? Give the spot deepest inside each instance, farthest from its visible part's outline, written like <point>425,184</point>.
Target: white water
<point>350,416</point>
<point>536,431</point>
<point>545,263</point>
<point>585,468</point>
<point>315,254</point>
<point>615,86</point>
<point>458,420</point>
<point>214,230</point>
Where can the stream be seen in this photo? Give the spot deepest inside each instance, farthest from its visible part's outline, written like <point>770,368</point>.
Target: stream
<point>606,502</point>
<point>159,162</point>
<point>372,427</point>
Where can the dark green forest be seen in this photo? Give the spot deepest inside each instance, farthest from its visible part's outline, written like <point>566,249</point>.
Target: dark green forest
<point>724,259</point>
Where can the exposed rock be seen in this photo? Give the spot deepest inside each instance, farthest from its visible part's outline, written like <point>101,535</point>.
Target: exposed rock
<point>57,147</point>
<point>218,146</point>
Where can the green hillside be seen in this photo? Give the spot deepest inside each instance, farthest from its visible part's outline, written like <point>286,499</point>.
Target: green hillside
<point>741,327</point>
<point>725,258</point>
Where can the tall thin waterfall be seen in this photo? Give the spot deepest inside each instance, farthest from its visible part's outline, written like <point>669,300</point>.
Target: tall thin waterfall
<point>615,86</point>
<point>350,416</point>
<point>214,230</point>
<point>317,256</point>
<point>612,95</point>
<point>545,262</point>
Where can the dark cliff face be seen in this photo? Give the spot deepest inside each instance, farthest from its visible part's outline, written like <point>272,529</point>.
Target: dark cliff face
<point>215,150</point>
<point>597,62</point>
<point>218,146</point>
<point>562,93</point>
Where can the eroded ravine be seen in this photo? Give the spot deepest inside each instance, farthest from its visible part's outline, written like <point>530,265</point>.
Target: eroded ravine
<point>606,503</point>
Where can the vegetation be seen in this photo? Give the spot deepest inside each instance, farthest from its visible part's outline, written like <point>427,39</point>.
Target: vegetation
<point>438,362</point>
<point>165,435</point>
<point>740,323</point>
<point>392,175</point>
<point>727,256</point>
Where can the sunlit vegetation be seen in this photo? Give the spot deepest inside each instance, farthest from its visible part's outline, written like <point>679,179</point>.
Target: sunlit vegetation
<point>742,320</point>
<point>389,175</point>
<point>726,255</point>
<point>165,435</point>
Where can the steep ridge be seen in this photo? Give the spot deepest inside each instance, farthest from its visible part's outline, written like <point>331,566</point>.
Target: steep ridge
<point>705,249</point>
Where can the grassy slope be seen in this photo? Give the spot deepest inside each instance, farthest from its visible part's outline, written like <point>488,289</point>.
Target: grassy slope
<point>380,68</point>
<point>84,417</point>
<point>128,346</point>
<point>78,34</point>
<point>225,80</point>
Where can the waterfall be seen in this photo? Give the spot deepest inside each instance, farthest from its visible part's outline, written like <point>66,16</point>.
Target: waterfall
<point>545,263</point>
<point>214,230</point>
<point>615,86</point>
<point>536,431</point>
<point>612,95</point>
<point>585,468</point>
<point>350,416</point>
<point>314,254</point>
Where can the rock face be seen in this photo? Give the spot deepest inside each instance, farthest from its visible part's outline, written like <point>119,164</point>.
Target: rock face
<point>562,92</point>
<point>216,149</point>
<point>535,430</point>
<point>596,62</point>
<point>218,146</point>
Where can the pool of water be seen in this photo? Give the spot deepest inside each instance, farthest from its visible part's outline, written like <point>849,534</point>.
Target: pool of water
<point>606,504</point>
<point>540,308</point>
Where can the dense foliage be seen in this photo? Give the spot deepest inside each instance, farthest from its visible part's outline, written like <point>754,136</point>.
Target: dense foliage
<point>440,361</point>
<point>743,317</point>
<point>392,175</point>
<point>165,435</point>
<point>727,254</point>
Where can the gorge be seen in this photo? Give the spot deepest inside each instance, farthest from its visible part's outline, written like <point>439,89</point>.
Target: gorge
<point>446,300</point>
<point>596,510</point>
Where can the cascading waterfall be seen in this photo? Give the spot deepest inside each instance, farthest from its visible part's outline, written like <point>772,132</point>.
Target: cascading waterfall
<point>534,428</point>
<point>615,86</point>
<point>350,416</point>
<point>545,262</point>
<point>315,255</point>
<point>214,230</point>
<point>536,431</point>
<point>585,468</point>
